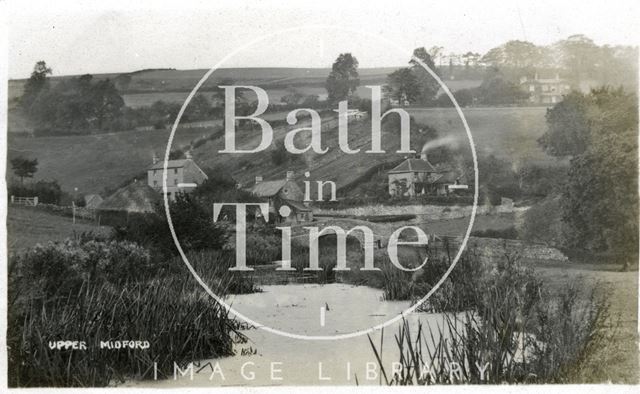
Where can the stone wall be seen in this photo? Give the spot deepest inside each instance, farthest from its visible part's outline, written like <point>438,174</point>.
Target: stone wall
<point>493,249</point>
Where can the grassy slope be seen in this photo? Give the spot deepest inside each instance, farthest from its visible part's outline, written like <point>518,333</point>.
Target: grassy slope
<point>27,227</point>
<point>94,162</point>
<point>509,133</point>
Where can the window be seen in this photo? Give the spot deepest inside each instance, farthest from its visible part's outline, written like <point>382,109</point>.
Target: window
<point>155,183</point>
<point>175,170</point>
<point>155,172</point>
<point>175,182</point>
<point>532,88</point>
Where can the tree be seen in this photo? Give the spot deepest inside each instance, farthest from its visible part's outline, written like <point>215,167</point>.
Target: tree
<point>402,85</point>
<point>78,106</point>
<point>24,168</point>
<point>572,123</point>
<point>568,130</point>
<point>496,90</point>
<point>599,202</point>
<point>311,101</point>
<point>36,83</point>
<point>427,84</point>
<point>436,53</point>
<point>579,56</point>
<point>514,53</point>
<point>470,59</point>
<point>199,108</point>
<point>122,82</point>
<point>293,96</point>
<point>218,96</point>
<point>343,80</point>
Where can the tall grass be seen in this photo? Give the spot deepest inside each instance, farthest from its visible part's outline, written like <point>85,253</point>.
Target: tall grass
<point>64,292</point>
<point>517,331</point>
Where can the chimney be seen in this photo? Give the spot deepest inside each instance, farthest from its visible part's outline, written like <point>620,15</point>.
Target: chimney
<point>188,155</point>
<point>423,156</point>
<point>258,179</point>
<point>289,175</point>
<point>155,158</point>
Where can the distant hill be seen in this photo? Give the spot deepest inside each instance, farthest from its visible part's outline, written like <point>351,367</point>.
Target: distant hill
<point>172,80</point>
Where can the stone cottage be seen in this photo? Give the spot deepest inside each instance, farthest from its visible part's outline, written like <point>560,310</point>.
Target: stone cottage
<point>283,196</point>
<point>418,176</point>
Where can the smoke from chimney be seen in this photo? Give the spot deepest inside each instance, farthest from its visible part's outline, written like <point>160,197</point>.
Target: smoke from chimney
<point>443,141</point>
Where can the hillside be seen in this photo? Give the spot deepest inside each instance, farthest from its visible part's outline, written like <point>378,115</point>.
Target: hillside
<point>148,86</point>
<point>94,162</point>
<point>508,133</point>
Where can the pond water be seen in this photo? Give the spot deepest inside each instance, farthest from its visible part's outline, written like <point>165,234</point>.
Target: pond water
<point>268,359</point>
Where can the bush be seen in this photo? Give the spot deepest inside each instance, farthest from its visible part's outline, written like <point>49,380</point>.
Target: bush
<point>191,222</point>
<point>61,268</point>
<point>543,223</point>
<point>505,233</point>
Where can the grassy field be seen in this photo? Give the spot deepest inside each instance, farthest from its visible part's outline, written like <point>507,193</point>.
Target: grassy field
<point>140,99</point>
<point>94,162</point>
<point>148,86</point>
<point>508,133</point>
<point>27,227</point>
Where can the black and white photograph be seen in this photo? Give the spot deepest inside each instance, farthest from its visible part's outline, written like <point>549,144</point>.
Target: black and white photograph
<point>243,195</point>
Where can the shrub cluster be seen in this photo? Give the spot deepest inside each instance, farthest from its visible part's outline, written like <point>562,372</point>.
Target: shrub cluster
<point>95,291</point>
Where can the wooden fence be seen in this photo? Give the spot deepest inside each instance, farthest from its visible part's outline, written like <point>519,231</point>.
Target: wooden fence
<point>26,201</point>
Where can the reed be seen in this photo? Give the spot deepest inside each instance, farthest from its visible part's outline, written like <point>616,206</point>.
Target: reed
<point>169,310</point>
<point>517,332</point>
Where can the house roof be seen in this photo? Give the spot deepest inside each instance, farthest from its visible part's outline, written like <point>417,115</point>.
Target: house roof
<point>297,205</point>
<point>268,188</point>
<point>413,165</point>
<point>92,199</point>
<point>135,197</point>
<point>170,164</point>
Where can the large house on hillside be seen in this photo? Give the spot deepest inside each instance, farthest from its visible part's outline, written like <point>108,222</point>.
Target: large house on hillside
<point>415,176</point>
<point>183,175</point>
<point>283,196</point>
<point>545,90</point>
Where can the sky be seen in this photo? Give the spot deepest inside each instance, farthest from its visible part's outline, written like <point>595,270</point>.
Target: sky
<point>119,36</point>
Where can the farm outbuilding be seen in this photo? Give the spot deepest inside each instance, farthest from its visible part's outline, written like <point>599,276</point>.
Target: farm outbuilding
<point>135,199</point>
<point>92,201</point>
